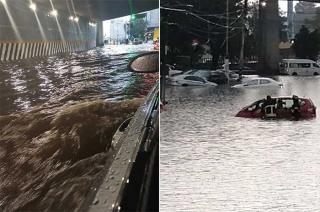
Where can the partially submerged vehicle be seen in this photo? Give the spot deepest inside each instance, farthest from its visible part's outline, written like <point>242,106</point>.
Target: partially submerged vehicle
<point>190,80</point>
<point>259,82</point>
<point>280,108</point>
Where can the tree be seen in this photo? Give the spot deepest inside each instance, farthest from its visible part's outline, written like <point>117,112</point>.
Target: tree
<point>203,20</point>
<point>138,28</point>
<point>307,45</point>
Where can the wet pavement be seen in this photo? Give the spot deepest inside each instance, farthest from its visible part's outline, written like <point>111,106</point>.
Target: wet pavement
<point>57,119</point>
<point>211,160</point>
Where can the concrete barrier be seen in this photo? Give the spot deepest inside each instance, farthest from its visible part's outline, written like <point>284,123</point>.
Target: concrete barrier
<point>13,50</point>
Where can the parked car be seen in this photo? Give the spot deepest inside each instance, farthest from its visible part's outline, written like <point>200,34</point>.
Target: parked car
<point>245,69</point>
<point>216,76</point>
<point>299,67</point>
<point>259,82</point>
<point>233,76</point>
<point>282,107</point>
<point>190,80</point>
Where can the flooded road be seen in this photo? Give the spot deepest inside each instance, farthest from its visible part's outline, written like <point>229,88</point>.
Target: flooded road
<point>57,119</point>
<point>211,160</point>
<point>98,73</point>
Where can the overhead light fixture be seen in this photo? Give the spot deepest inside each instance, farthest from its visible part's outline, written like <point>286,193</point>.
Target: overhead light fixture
<point>263,4</point>
<point>76,19</point>
<point>92,24</point>
<point>33,6</point>
<point>54,13</point>
<point>3,1</point>
<point>71,18</point>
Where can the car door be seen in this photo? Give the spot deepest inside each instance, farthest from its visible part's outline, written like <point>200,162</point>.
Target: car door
<point>265,82</point>
<point>294,69</point>
<point>315,69</point>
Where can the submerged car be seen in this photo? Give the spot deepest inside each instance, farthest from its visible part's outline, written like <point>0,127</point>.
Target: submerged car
<point>219,76</point>
<point>216,76</point>
<point>280,107</point>
<point>259,82</point>
<point>190,80</point>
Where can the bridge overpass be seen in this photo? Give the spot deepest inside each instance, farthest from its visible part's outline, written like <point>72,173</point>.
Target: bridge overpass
<point>49,27</point>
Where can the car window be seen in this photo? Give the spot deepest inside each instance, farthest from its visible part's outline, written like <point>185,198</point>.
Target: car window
<point>304,65</point>
<point>195,78</point>
<point>202,73</point>
<point>264,81</point>
<point>193,71</point>
<point>256,105</point>
<point>252,82</point>
<point>293,65</point>
<point>315,65</point>
<point>287,103</point>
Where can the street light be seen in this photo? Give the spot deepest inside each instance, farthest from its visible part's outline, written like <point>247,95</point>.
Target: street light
<point>54,13</point>
<point>76,19</point>
<point>33,6</point>
<point>133,17</point>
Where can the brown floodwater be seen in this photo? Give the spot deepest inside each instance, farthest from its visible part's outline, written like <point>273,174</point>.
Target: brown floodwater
<point>58,116</point>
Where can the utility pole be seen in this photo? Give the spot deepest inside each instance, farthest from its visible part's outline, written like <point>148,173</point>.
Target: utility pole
<point>245,9</point>
<point>226,61</point>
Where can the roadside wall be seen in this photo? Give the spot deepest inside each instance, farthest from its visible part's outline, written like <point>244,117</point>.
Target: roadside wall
<point>21,36</point>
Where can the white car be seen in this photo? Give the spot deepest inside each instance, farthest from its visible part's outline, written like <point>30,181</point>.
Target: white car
<point>190,80</point>
<point>259,82</point>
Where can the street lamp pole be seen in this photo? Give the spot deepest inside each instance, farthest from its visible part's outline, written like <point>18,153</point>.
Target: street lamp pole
<point>243,34</point>
<point>226,65</point>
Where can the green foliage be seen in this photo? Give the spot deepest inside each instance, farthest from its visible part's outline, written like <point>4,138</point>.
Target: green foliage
<point>307,44</point>
<point>138,28</point>
<point>180,28</point>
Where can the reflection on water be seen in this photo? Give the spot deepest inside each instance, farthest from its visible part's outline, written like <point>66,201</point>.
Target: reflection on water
<point>213,161</point>
<point>57,119</point>
<point>98,73</point>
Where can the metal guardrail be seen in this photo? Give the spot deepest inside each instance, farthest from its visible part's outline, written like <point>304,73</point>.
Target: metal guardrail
<point>135,140</point>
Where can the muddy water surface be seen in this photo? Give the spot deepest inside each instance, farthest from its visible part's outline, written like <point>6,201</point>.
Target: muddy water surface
<point>58,118</point>
<point>211,160</point>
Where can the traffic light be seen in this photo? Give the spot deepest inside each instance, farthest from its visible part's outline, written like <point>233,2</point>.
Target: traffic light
<point>133,17</point>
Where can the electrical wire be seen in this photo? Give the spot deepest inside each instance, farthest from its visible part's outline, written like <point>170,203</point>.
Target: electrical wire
<point>199,17</point>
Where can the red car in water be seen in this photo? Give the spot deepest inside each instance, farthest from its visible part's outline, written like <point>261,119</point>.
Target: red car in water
<point>281,107</point>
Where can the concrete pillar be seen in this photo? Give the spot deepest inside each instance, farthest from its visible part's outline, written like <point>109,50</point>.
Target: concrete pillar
<point>269,38</point>
<point>99,40</point>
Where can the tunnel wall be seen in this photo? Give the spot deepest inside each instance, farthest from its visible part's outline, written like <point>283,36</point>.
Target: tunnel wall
<point>26,40</point>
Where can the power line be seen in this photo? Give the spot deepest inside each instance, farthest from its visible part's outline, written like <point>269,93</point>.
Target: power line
<point>198,16</point>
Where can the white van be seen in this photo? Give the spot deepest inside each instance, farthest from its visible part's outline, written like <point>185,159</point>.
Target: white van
<point>302,67</point>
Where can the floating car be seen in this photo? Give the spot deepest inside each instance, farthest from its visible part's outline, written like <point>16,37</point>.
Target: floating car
<point>190,80</point>
<point>280,107</point>
<point>259,82</point>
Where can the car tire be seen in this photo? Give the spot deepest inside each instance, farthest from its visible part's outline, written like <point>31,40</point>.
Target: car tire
<point>294,74</point>
<point>315,74</point>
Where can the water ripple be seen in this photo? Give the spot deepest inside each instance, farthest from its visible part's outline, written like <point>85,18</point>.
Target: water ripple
<point>213,161</point>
